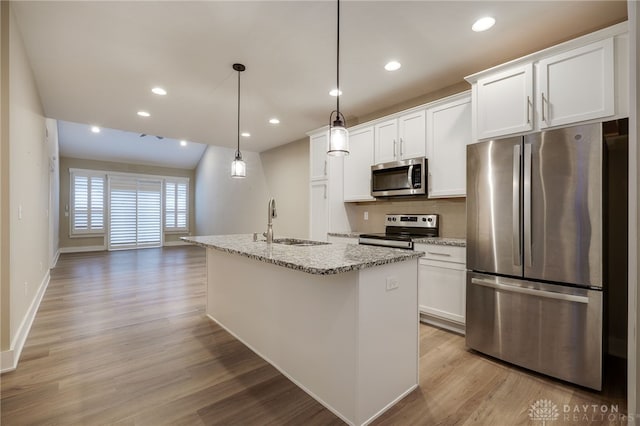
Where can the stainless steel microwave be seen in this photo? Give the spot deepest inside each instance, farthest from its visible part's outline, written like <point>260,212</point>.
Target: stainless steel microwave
<point>406,177</point>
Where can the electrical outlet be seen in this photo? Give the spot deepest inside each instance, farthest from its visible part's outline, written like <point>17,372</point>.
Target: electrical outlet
<point>366,215</point>
<point>392,283</point>
<point>20,212</point>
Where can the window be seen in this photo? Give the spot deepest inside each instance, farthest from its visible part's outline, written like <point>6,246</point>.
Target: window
<point>135,212</point>
<point>87,203</point>
<point>176,201</point>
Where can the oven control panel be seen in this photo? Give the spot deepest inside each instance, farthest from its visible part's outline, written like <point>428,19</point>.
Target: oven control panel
<point>412,220</point>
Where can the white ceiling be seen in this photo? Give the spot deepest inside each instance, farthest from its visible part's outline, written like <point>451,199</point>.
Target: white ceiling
<point>78,141</point>
<point>95,62</point>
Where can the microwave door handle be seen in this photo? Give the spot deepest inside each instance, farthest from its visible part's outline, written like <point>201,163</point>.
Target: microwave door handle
<point>410,176</point>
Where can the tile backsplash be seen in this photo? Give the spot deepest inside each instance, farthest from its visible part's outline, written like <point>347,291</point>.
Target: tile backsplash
<point>452,213</point>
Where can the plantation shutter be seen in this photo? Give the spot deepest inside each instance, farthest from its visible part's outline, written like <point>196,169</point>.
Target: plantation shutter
<point>176,202</point>
<point>135,207</point>
<point>87,203</point>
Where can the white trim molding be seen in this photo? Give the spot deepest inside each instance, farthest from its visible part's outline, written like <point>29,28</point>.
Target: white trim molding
<point>82,249</point>
<point>9,359</point>
<point>175,243</point>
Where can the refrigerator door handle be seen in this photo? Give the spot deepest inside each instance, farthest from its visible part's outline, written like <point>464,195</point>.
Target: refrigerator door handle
<point>531,291</point>
<point>516,239</point>
<point>527,205</point>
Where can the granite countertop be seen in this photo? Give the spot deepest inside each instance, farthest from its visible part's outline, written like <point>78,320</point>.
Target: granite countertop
<point>326,259</point>
<point>440,241</point>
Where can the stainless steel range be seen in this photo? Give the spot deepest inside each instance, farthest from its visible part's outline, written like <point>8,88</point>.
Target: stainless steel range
<point>402,230</point>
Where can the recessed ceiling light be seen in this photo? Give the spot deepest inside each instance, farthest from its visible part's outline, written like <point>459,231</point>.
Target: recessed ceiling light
<point>335,92</point>
<point>274,121</point>
<point>245,134</point>
<point>144,114</point>
<point>159,91</point>
<point>392,66</point>
<point>95,129</point>
<point>483,24</point>
<point>183,143</point>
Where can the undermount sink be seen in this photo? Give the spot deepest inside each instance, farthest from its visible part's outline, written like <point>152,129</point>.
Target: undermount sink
<point>296,242</point>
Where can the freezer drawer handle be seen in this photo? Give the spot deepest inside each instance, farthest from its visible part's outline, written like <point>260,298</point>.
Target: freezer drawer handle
<point>530,291</point>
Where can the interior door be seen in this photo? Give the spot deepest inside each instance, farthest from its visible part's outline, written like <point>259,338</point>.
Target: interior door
<point>493,206</point>
<point>563,205</point>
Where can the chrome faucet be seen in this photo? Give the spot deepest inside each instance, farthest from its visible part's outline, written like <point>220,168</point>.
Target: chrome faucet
<point>271,214</point>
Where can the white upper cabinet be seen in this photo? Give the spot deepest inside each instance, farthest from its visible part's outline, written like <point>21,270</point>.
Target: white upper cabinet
<point>318,157</point>
<point>400,138</point>
<point>357,165</point>
<point>581,80</point>
<point>576,85</point>
<point>386,141</point>
<point>319,210</point>
<point>448,133</point>
<point>412,135</point>
<point>504,102</point>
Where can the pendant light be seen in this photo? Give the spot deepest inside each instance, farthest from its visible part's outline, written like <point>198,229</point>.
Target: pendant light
<point>238,166</point>
<point>338,133</point>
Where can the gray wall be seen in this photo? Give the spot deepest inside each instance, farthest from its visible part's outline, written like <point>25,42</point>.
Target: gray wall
<point>75,163</point>
<point>225,205</point>
<point>286,170</point>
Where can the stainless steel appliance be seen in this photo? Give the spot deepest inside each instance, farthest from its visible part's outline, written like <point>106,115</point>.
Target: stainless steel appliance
<point>536,250</point>
<point>406,177</point>
<point>402,229</point>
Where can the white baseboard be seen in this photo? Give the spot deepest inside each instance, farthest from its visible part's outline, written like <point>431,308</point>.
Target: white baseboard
<point>81,249</point>
<point>55,259</point>
<point>442,323</point>
<point>9,359</point>
<point>175,243</point>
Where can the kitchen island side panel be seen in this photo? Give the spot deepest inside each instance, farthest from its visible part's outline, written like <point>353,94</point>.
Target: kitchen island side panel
<point>343,338</point>
<point>303,324</point>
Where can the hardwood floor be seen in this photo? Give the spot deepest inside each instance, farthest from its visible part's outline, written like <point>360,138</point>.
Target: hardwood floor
<point>121,338</point>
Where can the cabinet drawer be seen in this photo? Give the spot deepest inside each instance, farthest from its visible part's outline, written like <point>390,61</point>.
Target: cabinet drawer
<point>443,253</point>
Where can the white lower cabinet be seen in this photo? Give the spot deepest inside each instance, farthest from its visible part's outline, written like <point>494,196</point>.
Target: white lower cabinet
<point>442,286</point>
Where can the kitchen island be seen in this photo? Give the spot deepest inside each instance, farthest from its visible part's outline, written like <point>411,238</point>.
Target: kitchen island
<point>339,320</point>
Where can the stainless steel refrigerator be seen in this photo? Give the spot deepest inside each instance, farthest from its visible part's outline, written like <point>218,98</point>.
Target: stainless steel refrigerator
<point>537,252</point>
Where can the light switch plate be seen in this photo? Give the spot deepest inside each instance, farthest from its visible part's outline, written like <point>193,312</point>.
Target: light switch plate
<point>392,283</point>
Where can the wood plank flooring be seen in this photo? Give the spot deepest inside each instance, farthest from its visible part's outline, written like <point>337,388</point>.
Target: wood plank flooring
<point>121,338</point>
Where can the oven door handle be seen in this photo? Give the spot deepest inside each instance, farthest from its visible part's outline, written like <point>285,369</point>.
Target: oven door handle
<point>410,177</point>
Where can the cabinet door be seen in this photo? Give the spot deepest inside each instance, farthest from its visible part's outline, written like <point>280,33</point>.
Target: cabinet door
<point>576,85</point>
<point>442,290</point>
<point>505,102</point>
<point>386,141</point>
<point>448,133</point>
<point>319,211</point>
<point>412,135</point>
<point>357,166</point>
<point>318,156</point>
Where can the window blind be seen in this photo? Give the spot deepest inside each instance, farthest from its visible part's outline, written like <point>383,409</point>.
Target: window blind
<point>87,206</point>
<point>176,203</point>
<point>135,212</point>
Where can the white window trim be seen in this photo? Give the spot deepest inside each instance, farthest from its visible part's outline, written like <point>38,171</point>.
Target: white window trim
<point>74,233</point>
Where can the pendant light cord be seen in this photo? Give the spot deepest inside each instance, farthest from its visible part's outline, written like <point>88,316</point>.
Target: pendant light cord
<point>338,63</point>
<point>238,151</point>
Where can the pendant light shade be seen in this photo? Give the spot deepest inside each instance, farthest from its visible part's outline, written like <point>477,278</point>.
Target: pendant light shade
<point>238,166</point>
<point>338,133</point>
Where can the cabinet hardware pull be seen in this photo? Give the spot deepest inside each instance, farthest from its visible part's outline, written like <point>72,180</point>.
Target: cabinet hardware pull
<point>543,102</point>
<point>401,153</point>
<point>394,148</point>
<point>325,192</point>
<point>528,110</point>
<point>325,167</point>
<point>439,254</point>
